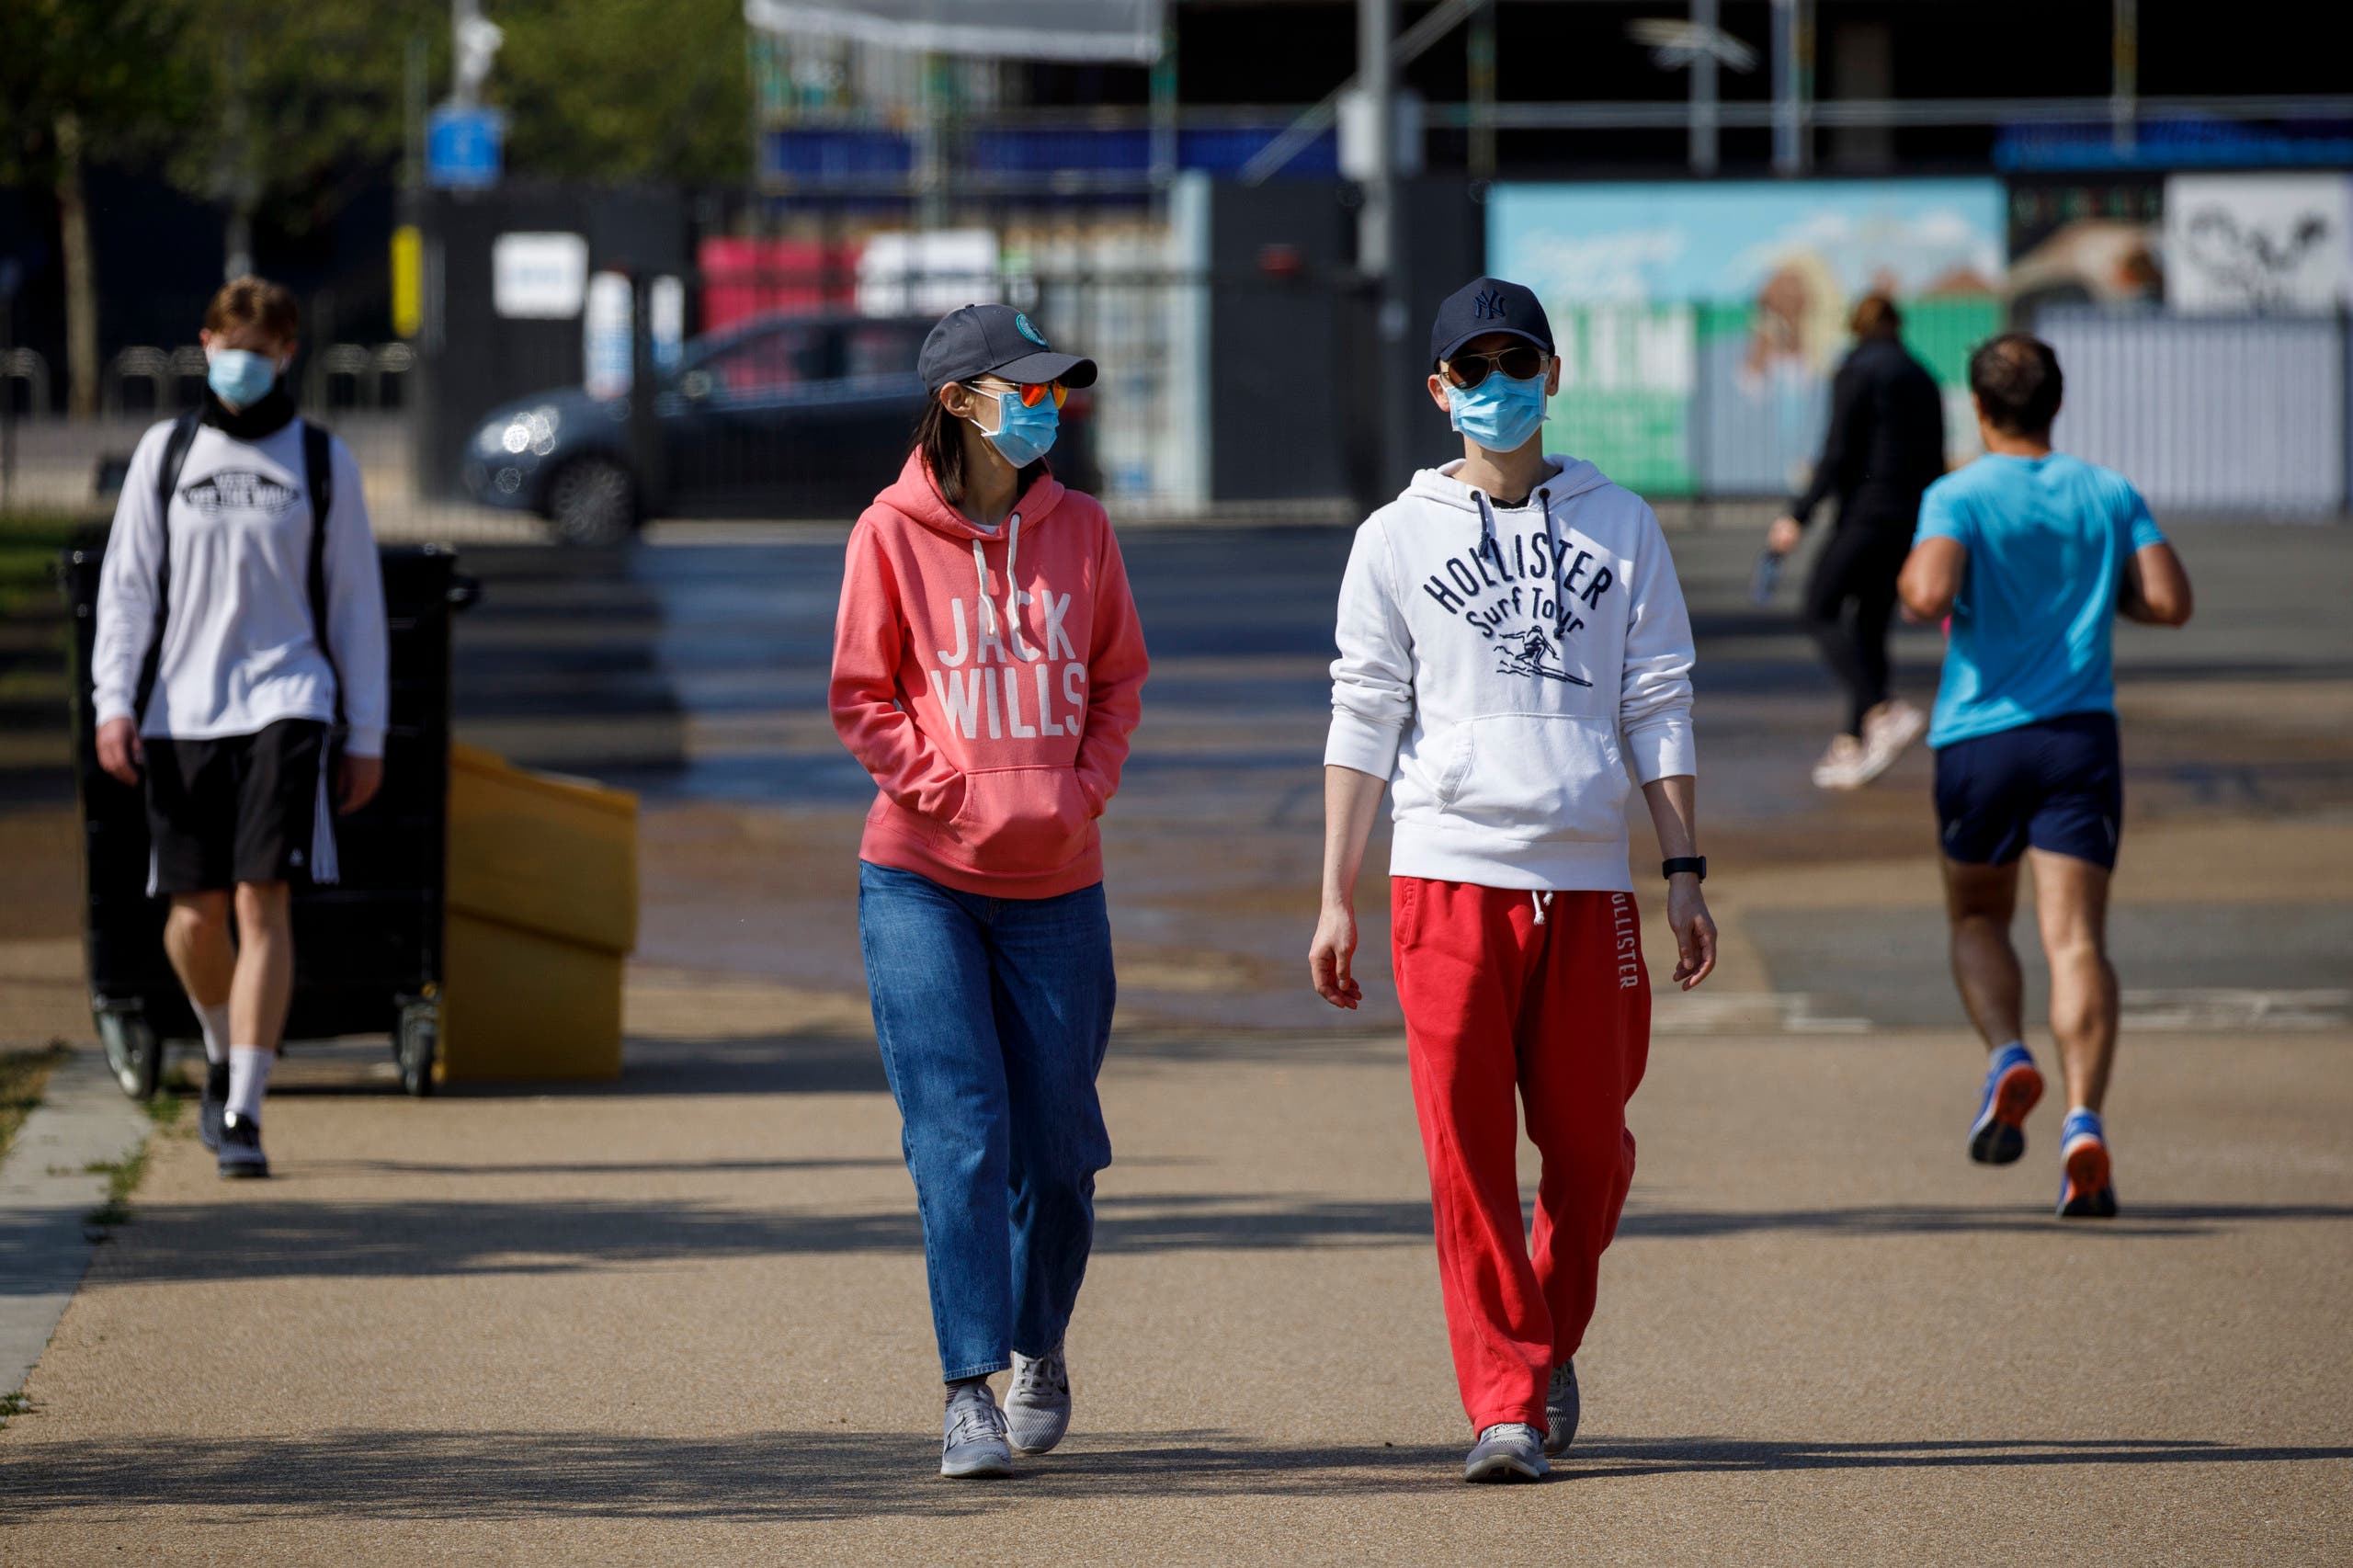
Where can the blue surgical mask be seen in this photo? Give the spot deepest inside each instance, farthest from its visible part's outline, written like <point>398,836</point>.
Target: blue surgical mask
<point>1499,414</point>
<point>239,377</point>
<point>1022,435</point>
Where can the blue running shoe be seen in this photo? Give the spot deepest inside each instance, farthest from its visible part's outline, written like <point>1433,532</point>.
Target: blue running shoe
<point>2013,1084</point>
<point>2086,1190</point>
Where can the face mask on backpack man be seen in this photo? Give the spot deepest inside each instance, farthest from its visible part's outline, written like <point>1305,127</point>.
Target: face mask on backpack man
<point>239,377</point>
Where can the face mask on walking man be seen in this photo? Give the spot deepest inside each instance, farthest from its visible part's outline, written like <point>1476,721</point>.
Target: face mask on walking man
<point>1512,637</point>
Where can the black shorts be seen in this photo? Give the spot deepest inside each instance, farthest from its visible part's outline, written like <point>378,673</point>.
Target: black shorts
<point>239,809</point>
<point>2057,785</point>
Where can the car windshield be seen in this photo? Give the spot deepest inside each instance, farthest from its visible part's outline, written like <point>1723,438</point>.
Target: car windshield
<point>768,361</point>
<point>872,348</point>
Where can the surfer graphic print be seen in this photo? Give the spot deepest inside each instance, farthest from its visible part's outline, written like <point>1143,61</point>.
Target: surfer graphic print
<point>1505,668</point>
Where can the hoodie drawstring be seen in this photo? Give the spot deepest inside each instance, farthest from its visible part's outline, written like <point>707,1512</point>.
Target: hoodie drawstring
<point>1012,587</point>
<point>1539,900</point>
<point>988,606</point>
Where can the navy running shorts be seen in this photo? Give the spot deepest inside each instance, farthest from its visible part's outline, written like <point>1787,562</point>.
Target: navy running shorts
<point>2057,785</point>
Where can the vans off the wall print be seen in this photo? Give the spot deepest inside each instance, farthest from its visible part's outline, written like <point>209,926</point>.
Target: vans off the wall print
<point>239,490</point>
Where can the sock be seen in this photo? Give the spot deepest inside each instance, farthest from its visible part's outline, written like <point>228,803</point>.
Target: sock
<point>2013,1045</point>
<point>248,1076</point>
<point>214,1021</point>
<point>2088,1114</point>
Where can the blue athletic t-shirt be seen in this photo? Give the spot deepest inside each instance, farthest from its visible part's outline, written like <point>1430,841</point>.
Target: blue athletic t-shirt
<point>2047,540</point>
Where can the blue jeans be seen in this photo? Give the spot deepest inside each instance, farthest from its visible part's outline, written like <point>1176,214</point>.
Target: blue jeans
<point>994,1014</point>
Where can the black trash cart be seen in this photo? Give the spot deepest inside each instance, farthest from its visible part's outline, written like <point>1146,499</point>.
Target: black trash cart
<point>367,950</point>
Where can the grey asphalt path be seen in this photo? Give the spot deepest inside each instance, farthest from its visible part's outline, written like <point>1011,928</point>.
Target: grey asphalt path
<point>683,1323</point>
<point>682,1320</point>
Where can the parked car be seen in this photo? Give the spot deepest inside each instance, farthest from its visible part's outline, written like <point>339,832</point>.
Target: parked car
<point>782,416</point>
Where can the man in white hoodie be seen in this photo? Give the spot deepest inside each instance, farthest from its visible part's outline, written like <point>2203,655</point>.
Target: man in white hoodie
<point>1511,635</point>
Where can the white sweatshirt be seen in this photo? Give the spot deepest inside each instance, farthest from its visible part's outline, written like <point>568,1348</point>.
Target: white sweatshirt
<point>239,651</point>
<point>1499,666</point>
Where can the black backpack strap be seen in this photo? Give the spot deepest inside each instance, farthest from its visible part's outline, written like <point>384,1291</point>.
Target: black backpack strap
<point>318,477</point>
<point>167,483</point>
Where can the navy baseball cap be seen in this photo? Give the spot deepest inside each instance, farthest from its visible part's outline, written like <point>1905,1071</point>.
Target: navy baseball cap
<point>1485,305</point>
<point>995,340</point>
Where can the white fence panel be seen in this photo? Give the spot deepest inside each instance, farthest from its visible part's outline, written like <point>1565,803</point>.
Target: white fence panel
<point>2208,414</point>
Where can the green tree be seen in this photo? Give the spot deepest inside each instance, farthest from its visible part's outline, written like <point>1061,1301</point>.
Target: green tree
<point>306,103</point>
<point>83,80</point>
<point>624,90</point>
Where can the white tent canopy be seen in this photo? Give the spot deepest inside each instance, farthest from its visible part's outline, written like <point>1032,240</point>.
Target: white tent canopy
<point>1127,30</point>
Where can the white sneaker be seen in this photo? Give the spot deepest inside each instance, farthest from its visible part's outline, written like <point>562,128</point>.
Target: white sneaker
<point>1037,1407</point>
<point>972,1437</point>
<point>1509,1451</point>
<point>1842,766</point>
<point>1888,730</point>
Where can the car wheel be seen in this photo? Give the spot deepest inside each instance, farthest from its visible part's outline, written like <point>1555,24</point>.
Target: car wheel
<point>593,503</point>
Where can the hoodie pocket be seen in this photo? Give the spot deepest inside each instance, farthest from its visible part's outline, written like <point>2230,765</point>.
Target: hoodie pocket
<point>1533,776</point>
<point>1022,820</point>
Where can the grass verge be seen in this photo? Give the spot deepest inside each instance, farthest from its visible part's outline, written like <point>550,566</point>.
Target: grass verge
<point>123,1177</point>
<point>23,1075</point>
<point>30,542</point>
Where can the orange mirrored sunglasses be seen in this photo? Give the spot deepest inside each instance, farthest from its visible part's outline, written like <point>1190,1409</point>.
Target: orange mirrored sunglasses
<point>1032,393</point>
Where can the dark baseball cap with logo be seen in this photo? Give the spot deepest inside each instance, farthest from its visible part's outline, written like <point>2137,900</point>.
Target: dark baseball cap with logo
<point>1485,305</point>
<point>995,340</point>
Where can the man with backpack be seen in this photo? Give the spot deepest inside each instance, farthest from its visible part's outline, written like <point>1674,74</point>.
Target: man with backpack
<point>241,630</point>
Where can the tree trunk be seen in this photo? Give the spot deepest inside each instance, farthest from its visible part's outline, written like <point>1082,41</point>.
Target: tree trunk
<point>81,280</point>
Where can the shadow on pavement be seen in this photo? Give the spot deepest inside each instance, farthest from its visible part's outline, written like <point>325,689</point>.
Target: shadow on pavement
<point>409,1238</point>
<point>412,1237</point>
<point>2139,1221</point>
<point>788,1477</point>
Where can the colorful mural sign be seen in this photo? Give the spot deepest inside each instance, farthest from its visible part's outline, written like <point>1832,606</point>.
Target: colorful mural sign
<point>1698,325</point>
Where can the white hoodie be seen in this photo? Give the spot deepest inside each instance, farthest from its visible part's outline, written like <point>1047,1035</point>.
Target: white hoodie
<point>1499,666</point>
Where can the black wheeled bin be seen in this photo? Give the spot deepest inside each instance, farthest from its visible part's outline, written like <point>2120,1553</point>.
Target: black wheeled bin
<point>367,950</point>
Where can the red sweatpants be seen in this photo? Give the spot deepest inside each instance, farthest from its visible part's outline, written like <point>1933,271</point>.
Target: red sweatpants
<point>1560,1010</point>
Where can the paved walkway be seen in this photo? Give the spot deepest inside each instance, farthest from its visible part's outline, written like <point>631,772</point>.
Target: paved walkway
<point>682,1320</point>
<point>683,1323</point>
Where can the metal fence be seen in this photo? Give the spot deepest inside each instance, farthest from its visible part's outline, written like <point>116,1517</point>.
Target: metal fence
<point>2208,414</point>
<point>1238,396</point>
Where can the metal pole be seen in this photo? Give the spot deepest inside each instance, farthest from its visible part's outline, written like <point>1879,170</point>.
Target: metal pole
<point>1377,225</point>
<point>1703,93</point>
<point>461,90</point>
<point>1164,110</point>
<point>413,113</point>
<point>1785,86</point>
<point>1482,53</point>
<point>1376,25</point>
<point>2125,65</point>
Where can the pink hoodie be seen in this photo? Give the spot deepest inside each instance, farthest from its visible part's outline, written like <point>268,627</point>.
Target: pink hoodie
<point>994,723</point>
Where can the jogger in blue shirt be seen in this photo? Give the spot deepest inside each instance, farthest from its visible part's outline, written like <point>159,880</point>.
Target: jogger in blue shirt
<point>2034,554</point>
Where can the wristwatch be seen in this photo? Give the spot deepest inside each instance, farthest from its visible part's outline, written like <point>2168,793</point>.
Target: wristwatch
<point>1695,864</point>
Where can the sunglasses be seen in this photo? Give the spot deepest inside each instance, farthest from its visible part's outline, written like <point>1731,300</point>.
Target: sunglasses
<point>1032,394</point>
<point>1521,362</point>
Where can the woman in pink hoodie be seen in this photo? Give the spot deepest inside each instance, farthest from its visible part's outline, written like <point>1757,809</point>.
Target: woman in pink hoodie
<point>988,666</point>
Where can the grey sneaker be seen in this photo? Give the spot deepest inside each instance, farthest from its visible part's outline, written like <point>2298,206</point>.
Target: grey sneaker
<point>1561,1409</point>
<point>1509,1451</point>
<point>1037,1407</point>
<point>971,1435</point>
